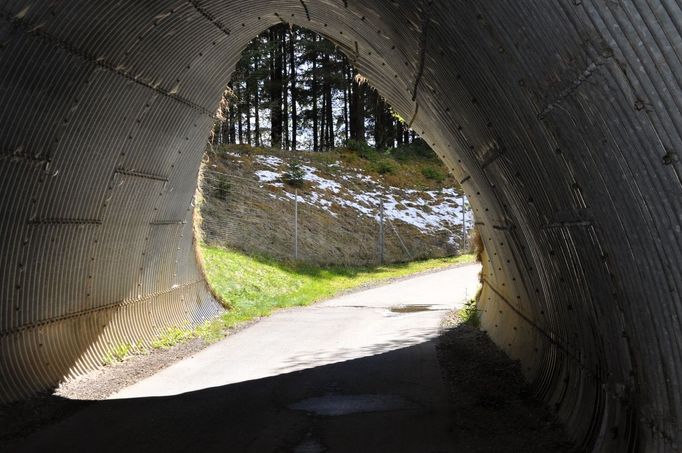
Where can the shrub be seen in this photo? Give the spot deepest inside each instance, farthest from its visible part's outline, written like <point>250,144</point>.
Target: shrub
<point>384,166</point>
<point>222,186</point>
<point>433,174</point>
<point>469,313</point>
<point>421,148</point>
<point>417,150</point>
<point>295,175</point>
<point>362,149</point>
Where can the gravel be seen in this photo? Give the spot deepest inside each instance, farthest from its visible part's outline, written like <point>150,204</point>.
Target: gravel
<point>494,409</point>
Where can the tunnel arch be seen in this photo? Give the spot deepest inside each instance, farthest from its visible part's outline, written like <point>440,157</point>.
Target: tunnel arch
<point>563,124</point>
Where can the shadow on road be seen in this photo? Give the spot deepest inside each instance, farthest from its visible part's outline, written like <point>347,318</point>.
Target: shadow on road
<point>488,410</point>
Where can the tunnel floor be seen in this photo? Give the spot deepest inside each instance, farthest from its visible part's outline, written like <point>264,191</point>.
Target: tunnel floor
<point>443,388</point>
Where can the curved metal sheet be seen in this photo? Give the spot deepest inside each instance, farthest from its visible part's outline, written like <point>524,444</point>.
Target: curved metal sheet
<point>563,118</point>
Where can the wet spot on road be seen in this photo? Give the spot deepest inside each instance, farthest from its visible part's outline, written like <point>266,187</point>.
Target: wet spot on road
<point>410,308</point>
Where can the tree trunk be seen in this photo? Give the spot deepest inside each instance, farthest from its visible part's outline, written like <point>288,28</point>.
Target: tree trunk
<point>248,116</point>
<point>330,118</point>
<point>283,85</point>
<point>240,113</point>
<point>357,111</point>
<point>276,70</point>
<point>231,115</point>
<point>328,112</point>
<point>379,126</point>
<point>256,104</point>
<point>232,135</point>
<point>294,91</point>
<point>390,125</point>
<point>314,95</point>
<point>329,121</point>
<point>346,87</point>
<point>399,132</point>
<point>323,123</point>
<point>384,125</point>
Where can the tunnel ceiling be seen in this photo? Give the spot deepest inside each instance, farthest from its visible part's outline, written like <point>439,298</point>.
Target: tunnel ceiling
<point>562,120</point>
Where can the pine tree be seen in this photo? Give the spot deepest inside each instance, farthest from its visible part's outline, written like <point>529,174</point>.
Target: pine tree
<point>307,88</point>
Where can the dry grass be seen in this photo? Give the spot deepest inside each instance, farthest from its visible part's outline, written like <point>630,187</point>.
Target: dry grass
<point>407,171</point>
<point>476,244</point>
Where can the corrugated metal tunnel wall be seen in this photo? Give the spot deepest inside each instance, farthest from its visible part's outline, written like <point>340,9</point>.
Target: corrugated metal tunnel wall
<point>561,118</point>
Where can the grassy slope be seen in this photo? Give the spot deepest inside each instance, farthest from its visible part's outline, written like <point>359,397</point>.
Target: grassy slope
<point>247,283</point>
<point>406,166</point>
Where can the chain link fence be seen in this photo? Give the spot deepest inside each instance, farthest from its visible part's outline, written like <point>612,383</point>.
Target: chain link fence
<point>342,224</point>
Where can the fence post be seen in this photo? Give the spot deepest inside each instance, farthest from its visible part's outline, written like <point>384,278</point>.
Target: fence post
<point>296,224</point>
<point>381,229</point>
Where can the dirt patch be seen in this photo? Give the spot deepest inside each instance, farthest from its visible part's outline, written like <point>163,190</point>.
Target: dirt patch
<point>493,407</point>
<point>22,418</point>
<point>100,384</point>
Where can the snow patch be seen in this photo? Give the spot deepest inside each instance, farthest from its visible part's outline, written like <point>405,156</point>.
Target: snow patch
<point>267,176</point>
<point>428,211</point>
<point>269,161</point>
<point>321,183</point>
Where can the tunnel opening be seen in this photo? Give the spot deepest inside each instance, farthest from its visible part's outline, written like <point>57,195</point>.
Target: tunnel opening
<point>564,122</point>
<point>338,177</point>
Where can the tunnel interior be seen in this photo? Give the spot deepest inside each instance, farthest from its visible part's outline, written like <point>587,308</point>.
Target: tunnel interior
<point>561,120</point>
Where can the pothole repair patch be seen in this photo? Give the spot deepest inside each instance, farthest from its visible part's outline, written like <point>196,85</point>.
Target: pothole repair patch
<point>310,446</point>
<point>334,405</point>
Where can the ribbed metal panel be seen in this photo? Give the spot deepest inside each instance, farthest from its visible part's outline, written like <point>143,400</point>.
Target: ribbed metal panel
<point>563,119</point>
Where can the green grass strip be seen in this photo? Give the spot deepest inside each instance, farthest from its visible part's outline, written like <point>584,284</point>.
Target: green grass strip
<point>255,287</point>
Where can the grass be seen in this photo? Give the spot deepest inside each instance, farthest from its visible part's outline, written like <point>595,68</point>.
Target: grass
<point>119,352</point>
<point>256,287</point>
<point>171,337</point>
<point>259,285</point>
<point>469,314</point>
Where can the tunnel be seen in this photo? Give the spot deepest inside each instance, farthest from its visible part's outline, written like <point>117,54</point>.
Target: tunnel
<point>562,120</point>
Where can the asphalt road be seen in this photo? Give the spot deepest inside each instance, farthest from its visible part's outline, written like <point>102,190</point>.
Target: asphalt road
<point>356,373</point>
